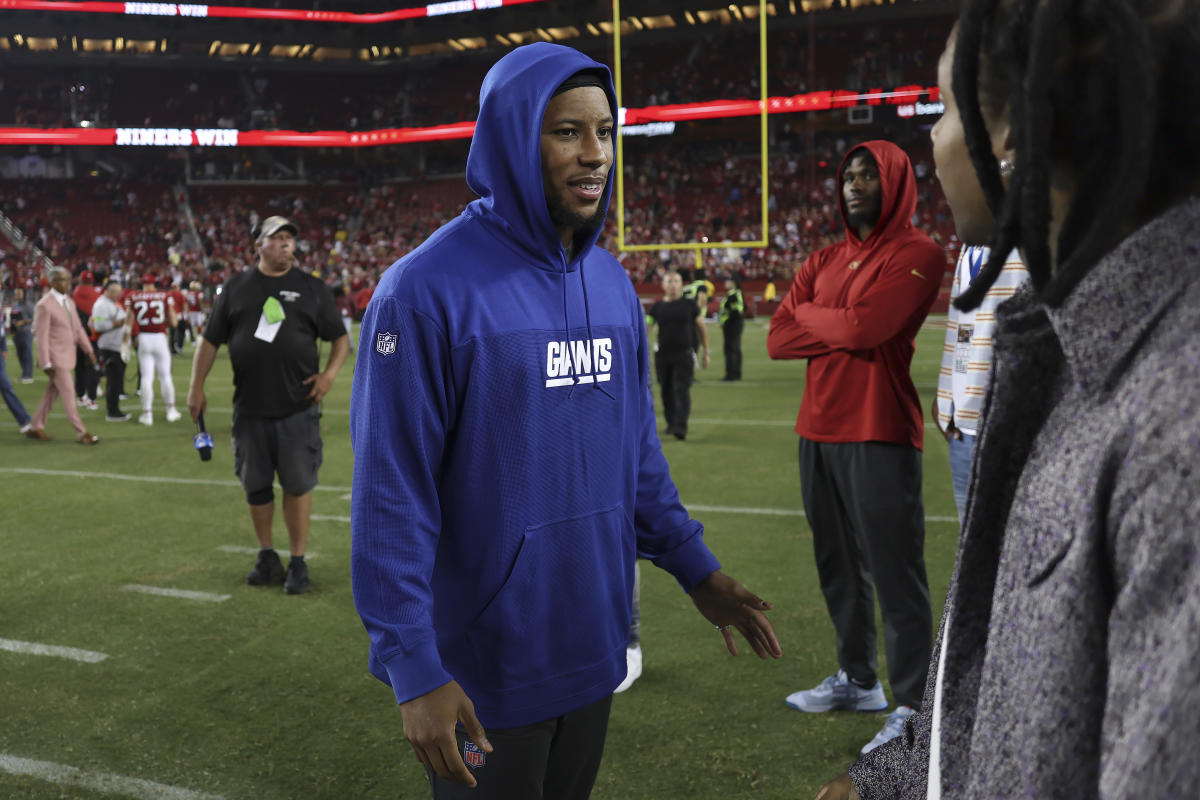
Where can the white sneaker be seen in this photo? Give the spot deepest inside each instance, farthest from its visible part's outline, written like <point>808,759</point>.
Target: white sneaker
<point>837,692</point>
<point>173,415</point>
<point>633,666</point>
<point>28,426</point>
<point>891,729</point>
<point>147,418</point>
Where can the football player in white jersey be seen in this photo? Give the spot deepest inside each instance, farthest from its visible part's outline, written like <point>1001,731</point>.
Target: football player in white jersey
<point>153,312</point>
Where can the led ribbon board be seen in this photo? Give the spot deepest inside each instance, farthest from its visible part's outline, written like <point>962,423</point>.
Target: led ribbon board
<point>199,11</point>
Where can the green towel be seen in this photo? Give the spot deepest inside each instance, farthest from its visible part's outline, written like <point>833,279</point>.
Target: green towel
<point>273,311</point>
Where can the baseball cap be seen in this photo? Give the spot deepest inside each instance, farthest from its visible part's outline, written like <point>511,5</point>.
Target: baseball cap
<point>149,277</point>
<point>273,225</point>
<point>87,277</point>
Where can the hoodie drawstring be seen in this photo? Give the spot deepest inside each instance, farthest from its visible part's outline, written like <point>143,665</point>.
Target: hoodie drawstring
<point>587,315</point>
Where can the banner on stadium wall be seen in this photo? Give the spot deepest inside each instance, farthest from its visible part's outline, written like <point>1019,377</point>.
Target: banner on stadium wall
<point>198,11</point>
<point>649,121</point>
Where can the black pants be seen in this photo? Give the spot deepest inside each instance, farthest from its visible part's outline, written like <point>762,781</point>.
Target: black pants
<point>552,760</point>
<point>675,373</point>
<point>863,501</point>
<point>732,332</point>
<point>23,341</point>
<point>87,378</point>
<point>114,381</point>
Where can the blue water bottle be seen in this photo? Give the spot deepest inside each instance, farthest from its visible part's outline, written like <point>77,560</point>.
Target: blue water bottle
<point>202,441</point>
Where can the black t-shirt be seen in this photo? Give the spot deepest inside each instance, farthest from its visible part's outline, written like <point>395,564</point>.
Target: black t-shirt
<point>267,375</point>
<point>676,325</point>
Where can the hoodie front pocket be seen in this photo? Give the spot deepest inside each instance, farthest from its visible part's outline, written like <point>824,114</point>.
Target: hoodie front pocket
<point>565,606</point>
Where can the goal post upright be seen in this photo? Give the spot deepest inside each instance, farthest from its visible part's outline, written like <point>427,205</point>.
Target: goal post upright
<point>697,247</point>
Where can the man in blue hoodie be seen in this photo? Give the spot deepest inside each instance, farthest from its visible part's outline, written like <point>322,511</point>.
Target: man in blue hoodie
<point>507,468</point>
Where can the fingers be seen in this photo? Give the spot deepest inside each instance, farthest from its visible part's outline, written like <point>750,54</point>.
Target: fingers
<point>440,756</point>
<point>730,643</point>
<point>761,636</point>
<point>471,724</point>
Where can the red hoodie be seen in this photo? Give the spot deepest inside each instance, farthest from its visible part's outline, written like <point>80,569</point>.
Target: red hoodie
<point>854,310</point>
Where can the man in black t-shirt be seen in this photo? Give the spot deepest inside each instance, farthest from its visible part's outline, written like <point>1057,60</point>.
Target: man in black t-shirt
<point>271,318</point>
<point>680,325</point>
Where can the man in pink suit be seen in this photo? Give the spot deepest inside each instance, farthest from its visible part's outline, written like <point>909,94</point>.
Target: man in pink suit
<point>56,333</point>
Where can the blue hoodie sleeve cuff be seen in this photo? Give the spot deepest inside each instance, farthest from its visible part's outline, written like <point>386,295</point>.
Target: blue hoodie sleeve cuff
<point>690,563</point>
<point>416,672</point>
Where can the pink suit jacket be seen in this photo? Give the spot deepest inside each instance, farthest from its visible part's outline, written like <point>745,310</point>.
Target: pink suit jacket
<point>56,333</point>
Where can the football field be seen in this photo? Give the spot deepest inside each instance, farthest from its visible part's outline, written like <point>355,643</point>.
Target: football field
<point>221,690</point>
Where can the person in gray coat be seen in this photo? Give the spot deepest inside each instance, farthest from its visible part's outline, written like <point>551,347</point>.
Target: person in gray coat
<point>1066,663</point>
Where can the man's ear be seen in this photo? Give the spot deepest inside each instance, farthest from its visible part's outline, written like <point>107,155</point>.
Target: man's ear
<point>1001,133</point>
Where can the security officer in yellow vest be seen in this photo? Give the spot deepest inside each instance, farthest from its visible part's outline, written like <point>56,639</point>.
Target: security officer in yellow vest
<point>732,318</point>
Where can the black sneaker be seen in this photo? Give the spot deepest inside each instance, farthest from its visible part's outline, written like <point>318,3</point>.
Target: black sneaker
<point>267,570</point>
<point>297,577</point>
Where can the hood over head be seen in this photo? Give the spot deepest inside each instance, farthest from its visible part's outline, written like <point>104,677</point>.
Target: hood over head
<point>898,186</point>
<point>504,166</point>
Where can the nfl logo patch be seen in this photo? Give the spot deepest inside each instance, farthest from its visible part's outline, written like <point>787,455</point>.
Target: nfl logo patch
<point>473,755</point>
<point>385,343</point>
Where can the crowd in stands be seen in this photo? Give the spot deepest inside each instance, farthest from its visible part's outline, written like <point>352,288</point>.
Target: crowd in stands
<point>722,63</point>
<point>360,209</point>
<point>351,233</point>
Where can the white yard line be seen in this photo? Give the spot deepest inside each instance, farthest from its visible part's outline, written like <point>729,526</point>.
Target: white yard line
<point>104,782</point>
<point>36,649</point>
<point>113,476</point>
<point>252,551</point>
<point>775,512</point>
<point>182,594</point>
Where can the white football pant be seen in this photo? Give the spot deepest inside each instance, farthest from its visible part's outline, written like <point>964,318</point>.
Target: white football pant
<point>154,357</point>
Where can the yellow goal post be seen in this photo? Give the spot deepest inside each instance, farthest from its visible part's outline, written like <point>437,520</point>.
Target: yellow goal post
<point>697,247</point>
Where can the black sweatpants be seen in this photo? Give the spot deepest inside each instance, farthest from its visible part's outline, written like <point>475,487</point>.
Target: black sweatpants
<point>863,501</point>
<point>87,377</point>
<point>552,760</point>
<point>675,372</point>
<point>732,333</point>
<point>114,380</point>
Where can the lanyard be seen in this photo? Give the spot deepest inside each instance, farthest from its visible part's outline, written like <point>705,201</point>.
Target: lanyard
<point>976,258</point>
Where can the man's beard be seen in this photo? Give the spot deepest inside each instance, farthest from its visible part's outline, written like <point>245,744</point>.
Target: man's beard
<point>563,217</point>
<point>867,216</point>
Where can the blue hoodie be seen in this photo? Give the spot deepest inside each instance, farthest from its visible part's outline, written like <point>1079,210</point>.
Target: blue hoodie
<point>507,468</point>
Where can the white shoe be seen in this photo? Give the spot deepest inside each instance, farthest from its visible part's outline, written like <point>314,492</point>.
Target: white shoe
<point>146,418</point>
<point>837,693</point>
<point>173,415</point>
<point>891,729</point>
<point>28,426</point>
<point>633,666</point>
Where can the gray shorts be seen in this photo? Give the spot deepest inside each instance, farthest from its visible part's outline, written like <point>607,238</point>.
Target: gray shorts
<point>289,446</point>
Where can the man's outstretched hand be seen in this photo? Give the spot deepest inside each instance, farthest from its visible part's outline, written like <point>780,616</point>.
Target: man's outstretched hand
<point>429,722</point>
<point>727,604</point>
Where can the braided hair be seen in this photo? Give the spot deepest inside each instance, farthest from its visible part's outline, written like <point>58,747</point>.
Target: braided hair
<point>1106,90</point>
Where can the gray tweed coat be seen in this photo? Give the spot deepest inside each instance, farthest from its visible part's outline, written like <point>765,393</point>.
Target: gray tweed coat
<point>1073,615</point>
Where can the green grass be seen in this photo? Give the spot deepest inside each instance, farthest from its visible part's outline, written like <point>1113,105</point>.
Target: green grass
<point>267,696</point>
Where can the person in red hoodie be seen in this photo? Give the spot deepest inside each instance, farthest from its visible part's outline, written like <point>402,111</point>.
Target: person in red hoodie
<point>853,312</point>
